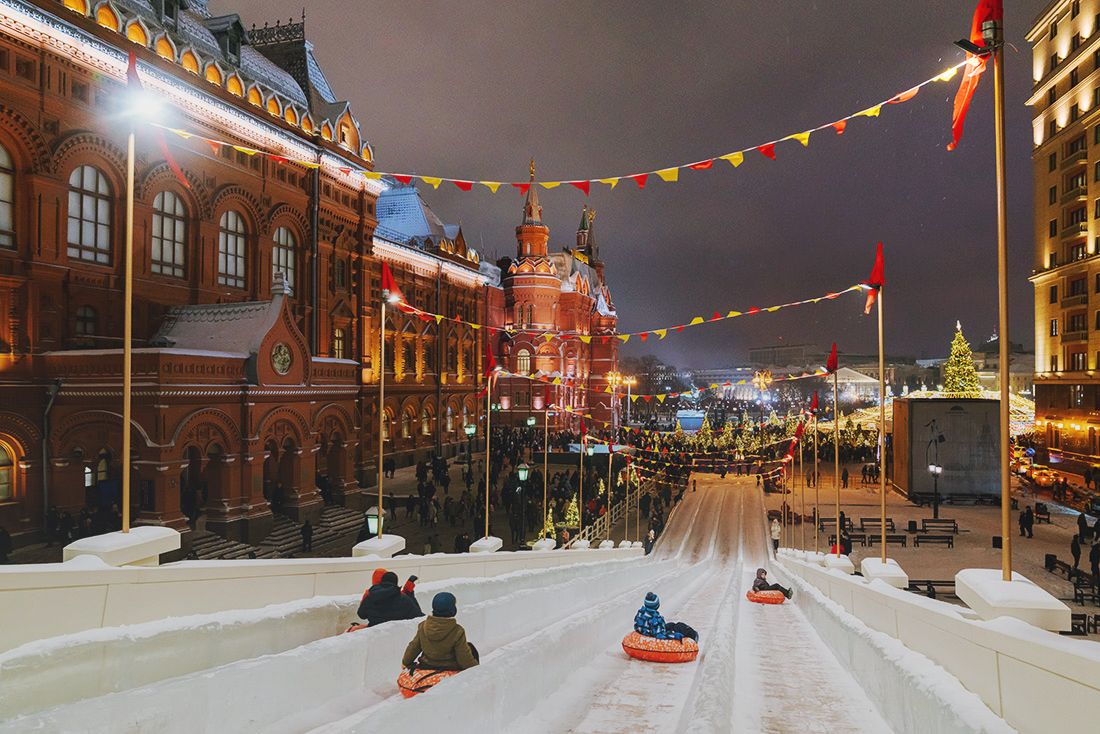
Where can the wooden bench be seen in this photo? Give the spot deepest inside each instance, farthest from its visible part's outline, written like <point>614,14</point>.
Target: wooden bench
<point>1042,513</point>
<point>943,523</point>
<point>856,537</point>
<point>948,540</point>
<point>823,521</point>
<point>875,523</point>
<point>1060,566</point>
<point>1084,589</point>
<point>891,539</point>
<point>1078,626</point>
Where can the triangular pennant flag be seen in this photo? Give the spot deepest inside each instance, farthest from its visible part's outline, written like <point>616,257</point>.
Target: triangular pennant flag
<point>803,138</point>
<point>753,310</point>
<point>557,381</point>
<point>876,281</point>
<point>702,165</point>
<point>948,75</point>
<point>716,317</point>
<point>582,185</point>
<point>402,178</point>
<point>661,397</point>
<point>767,150</point>
<point>549,184</point>
<point>669,174</point>
<point>831,363</point>
<point>904,96</point>
<point>773,309</point>
<point>733,314</point>
<point>280,160</point>
<point>632,399</point>
<point>548,337</point>
<point>585,339</point>
<point>464,185</point>
<point>390,291</point>
<point>372,175</point>
<point>438,318</point>
<point>696,320</point>
<point>182,133</point>
<point>661,333</point>
<point>490,360</point>
<point>475,327</point>
<point>345,170</point>
<point>432,181</point>
<point>640,179</point>
<point>869,112</point>
<point>735,159</point>
<point>246,151</point>
<point>612,182</point>
<point>491,185</point>
<point>644,335</point>
<point>839,126</point>
<point>624,338</point>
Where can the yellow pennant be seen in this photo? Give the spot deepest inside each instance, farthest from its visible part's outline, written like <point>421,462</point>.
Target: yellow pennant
<point>607,389</point>
<point>713,385</point>
<point>803,138</point>
<point>438,317</point>
<point>548,337</point>
<point>869,112</point>
<point>734,158</point>
<point>948,75</point>
<point>182,133</point>
<point>696,320</point>
<point>491,185</point>
<point>669,174</point>
<point>432,181</point>
<point>661,397</point>
<point>246,151</point>
<point>475,326</point>
<point>612,182</point>
<point>586,339</point>
<point>372,175</point>
<point>549,184</point>
<point>661,333</point>
<point>624,338</point>
<point>771,309</point>
<point>733,314</point>
<point>308,164</point>
<point>634,397</point>
<point>557,381</point>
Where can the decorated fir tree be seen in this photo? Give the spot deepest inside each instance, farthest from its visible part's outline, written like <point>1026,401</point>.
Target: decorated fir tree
<point>600,488</point>
<point>548,530</point>
<point>572,514</point>
<point>959,375</point>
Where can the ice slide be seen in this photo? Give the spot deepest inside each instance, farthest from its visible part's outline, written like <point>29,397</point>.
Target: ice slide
<point>551,657</point>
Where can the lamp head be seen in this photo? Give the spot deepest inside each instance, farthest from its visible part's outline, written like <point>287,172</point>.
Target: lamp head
<point>523,471</point>
<point>470,429</point>
<point>531,420</point>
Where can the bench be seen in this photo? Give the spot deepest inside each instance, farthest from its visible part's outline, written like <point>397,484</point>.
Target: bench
<point>1057,565</point>
<point>942,523</point>
<point>1084,589</point>
<point>1042,513</point>
<point>875,523</point>
<point>948,540</point>
<point>891,539</point>
<point>823,521</point>
<point>856,537</point>
<point>1078,626</point>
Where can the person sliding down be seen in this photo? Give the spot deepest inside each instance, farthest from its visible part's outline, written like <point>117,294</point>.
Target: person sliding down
<point>651,623</point>
<point>761,584</point>
<point>384,602</point>
<point>440,642</point>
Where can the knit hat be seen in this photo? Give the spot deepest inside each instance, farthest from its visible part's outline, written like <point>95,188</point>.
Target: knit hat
<point>444,605</point>
<point>376,577</point>
<point>652,601</point>
<point>389,577</point>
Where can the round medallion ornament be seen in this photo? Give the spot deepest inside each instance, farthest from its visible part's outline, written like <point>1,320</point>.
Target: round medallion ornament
<point>281,358</point>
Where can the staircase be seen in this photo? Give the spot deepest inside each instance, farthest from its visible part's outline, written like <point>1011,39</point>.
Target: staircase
<point>338,524</point>
<point>208,546</point>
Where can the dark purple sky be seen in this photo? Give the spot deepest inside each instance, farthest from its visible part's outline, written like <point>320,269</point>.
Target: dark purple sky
<point>474,89</point>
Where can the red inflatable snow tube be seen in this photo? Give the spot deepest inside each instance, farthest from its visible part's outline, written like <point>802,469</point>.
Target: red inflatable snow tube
<point>412,684</point>
<point>355,627</point>
<point>660,651</point>
<point>766,597</point>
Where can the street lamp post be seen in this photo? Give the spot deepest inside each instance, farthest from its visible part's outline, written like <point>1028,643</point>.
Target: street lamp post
<point>629,382</point>
<point>935,470</point>
<point>470,429</point>
<point>523,471</point>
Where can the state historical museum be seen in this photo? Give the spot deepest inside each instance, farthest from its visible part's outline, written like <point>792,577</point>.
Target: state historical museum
<point>256,285</point>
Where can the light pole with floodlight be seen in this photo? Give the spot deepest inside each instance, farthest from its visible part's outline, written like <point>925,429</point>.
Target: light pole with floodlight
<point>523,471</point>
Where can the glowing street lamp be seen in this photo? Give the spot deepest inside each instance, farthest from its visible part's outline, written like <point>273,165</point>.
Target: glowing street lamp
<point>375,518</point>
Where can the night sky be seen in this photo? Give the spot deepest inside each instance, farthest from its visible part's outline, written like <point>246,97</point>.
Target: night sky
<point>474,89</point>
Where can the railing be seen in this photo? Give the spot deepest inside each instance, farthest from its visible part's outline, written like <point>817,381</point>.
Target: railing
<point>1078,192</point>
<point>1075,336</point>
<point>1075,230</point>
<point>1080,299</point>
<point>601,528</point>
<point>1078,156</point>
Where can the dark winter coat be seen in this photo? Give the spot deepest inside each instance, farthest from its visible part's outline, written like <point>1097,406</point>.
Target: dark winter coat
<point>651,623</point>
<point>384,602</point>
<point>440,644</point>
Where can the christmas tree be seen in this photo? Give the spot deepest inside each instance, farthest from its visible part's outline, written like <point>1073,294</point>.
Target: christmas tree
<point>959,375</point>
<point>600,488</point>
<point>548,530</point>
<point>572,514</point>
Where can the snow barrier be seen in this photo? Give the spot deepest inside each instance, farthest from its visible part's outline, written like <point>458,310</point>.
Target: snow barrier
<point>911,654</point>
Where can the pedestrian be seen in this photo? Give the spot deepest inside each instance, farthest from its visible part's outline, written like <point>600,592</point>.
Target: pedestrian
<point>776,531</point>
<point>1083,527</point>
<point>844,478</point>
<point>1027,520</point>
<point>1094,561</point>
<point>1075,551</point>
<point>307,536</point>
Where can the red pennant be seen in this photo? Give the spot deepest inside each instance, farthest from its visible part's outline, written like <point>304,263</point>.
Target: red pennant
<point>679,328</point>
<point>647,398</point>
<point>402,178</point>
<point>215,146</point>
<point>753,310</point>
<point>522,187</point>
<point>716,317</point>
<point>389,285</point>
<point>279,159</point>
<point>464,185</point>
<point>985,10</point>
<point>643,335</point>
<point>831,363</point>
<point>767,150</point>
<point>640,179</point>
<point>904,96</point>
<point>582,185</point>
<point>839,126</point>
<point>813,403</point>
<point>490,360</point>
<point>604,339</point>
<point>345,170</point>
<point>702,165</point>
<point>133,83</point>
<point>876,281</point>
<point>584,430</point>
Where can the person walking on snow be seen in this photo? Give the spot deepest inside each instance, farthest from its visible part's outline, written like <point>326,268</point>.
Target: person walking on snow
<point>760,583</point>
<point>651,623</point>
<point>776,531</point>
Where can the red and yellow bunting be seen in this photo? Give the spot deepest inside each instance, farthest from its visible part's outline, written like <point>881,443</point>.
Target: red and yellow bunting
<point>666,174</point>
<point>661,333</point>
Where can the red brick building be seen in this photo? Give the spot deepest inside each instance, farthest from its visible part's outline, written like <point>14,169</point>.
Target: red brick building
<point>256,286</point>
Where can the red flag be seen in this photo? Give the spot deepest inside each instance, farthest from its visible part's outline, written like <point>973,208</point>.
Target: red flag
<point>402,178</point>
<point>839,126</point>
<point>640,179</point>
<point>546,398</point>
<point>972,72</point>
<point>768,150</point>
<point>831,363</point>
<point>813,403</point>
<point>584,186</point>
<point>490,360</point>
<point>584,430</point>
<point>390,291</point>
<point>876,281</point>
<point>798,431</point>
<point>133,83</point>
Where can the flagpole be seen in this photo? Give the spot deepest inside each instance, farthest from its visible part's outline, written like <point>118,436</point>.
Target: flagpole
<point>993,35</point>
<point>881,429</point>
<point>801,471</point>
<point>381,409</point>
<point>836,456</point>
<point>817,490</point>
<point>545,457</point>
<point>580,488</point>
<point>127,331</point>
<point>488,435</point>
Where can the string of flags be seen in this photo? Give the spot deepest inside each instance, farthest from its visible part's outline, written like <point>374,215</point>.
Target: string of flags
<point>667,174</point>
<point>661,333</point>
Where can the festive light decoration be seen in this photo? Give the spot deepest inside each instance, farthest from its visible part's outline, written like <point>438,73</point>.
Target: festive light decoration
<point>959,375</point>
<point>548,530</point>
<point>572,514</point>
<point>667,174</point>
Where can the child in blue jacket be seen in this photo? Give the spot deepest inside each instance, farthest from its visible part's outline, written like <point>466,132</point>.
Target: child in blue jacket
<point>651,623</point>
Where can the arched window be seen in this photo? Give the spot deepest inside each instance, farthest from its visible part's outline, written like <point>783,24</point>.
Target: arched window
<point>523,362</point>
<point>102,467</point>
<point>465,416</point>
<point>7,473</point>
<point>340,274</point>
<point>386,427</point>
<point>282,257</point>
<point>338,343</point>
<point>107,17</point>
<point>169,235</point>
<point>89,477</point>
<point>137,34</point>
<point>232,248</point>
<point>234,86</point>
<point>406,425</point>
<point>213,74</point>
<point>450,420</point>
<point>7,199</point>
<point>89,215</point>
<point>87,321</point>
<point>190,62</point>
<point>425,422</point>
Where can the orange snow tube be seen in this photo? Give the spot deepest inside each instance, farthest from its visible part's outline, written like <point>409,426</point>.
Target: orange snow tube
<point>660,651</point>
<point>355,627</point>
<point>766,597</point>
<point>423,679</point>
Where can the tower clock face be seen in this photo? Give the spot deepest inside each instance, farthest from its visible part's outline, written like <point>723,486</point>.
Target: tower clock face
<point>281,358</point>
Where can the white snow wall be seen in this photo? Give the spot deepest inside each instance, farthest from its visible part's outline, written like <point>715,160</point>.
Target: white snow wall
<point>926,665</point>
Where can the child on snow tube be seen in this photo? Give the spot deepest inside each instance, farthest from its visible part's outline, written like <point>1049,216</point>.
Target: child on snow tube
<point>657,641</point>
<point>438,650</point>
<point>765,593</point>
